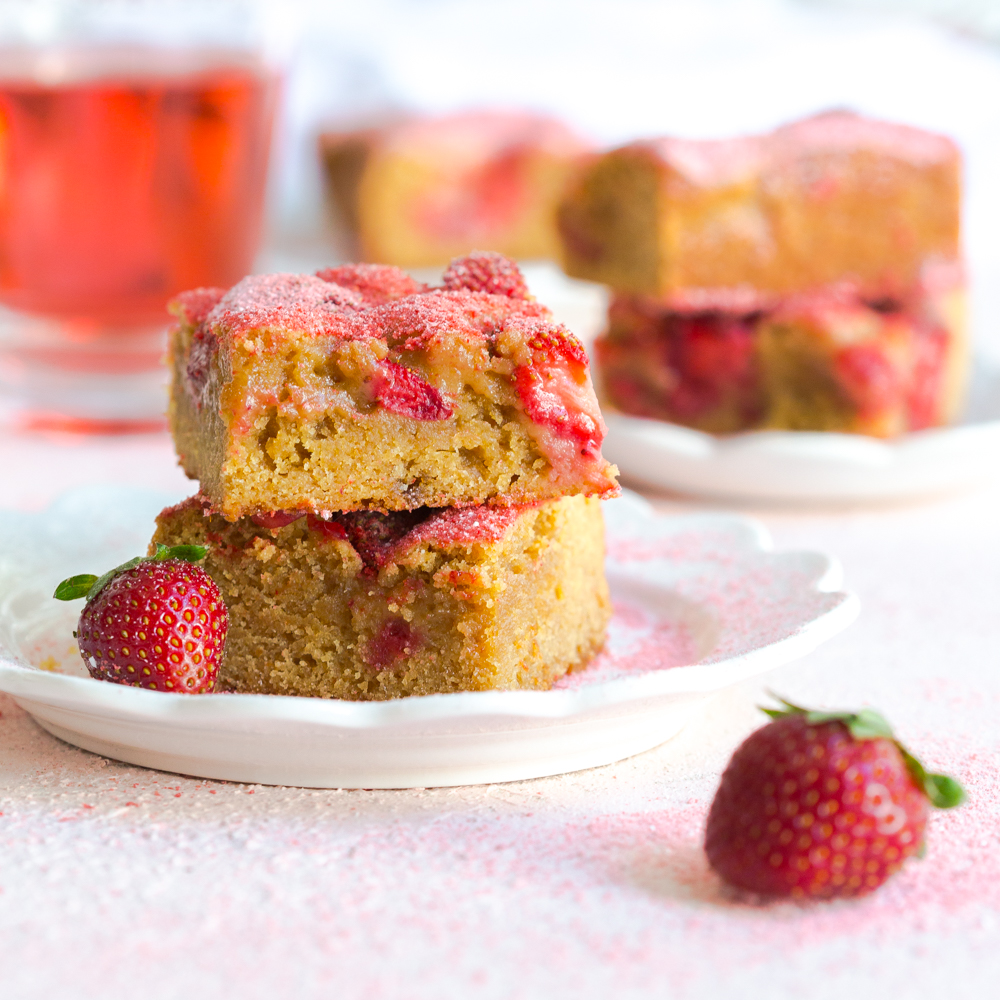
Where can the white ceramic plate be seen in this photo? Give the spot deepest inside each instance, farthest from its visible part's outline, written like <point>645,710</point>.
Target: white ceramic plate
<point>785,466</point>
<point>814,467</point>
<point>701,602</point>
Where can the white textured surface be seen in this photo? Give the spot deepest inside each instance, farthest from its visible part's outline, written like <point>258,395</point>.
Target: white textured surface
<point>117,882</point>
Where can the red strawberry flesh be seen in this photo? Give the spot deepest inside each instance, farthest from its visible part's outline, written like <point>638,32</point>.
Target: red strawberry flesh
<point>406,392</point>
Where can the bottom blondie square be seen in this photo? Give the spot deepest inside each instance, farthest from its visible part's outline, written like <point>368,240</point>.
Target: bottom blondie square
<point>824,360</point>
<point>370,606</point>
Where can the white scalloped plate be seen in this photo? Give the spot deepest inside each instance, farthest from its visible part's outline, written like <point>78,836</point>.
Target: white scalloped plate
<point>701,602</point>
<point>814,467</point>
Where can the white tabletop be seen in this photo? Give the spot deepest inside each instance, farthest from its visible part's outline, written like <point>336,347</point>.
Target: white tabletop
<point>117,881</point>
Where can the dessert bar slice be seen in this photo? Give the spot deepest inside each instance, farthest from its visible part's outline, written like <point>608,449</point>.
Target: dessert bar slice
<point>362,388</point>
<point>825,360</point>
<point>822,200</point>
<point>369,606</point>
<point>419,192</point>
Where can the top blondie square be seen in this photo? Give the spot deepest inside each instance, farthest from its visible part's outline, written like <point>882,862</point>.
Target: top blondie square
<point>360,388</point>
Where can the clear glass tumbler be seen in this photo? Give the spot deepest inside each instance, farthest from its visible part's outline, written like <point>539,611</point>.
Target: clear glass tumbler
<point>134,142</point>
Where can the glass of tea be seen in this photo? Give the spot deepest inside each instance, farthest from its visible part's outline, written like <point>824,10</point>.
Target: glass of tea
<point>134,143</point>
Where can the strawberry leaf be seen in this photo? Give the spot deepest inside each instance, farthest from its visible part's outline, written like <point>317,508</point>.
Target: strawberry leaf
<point>75,587</point>
<point>944,792</point>
<point>187,553</point>
<point>103,581</point>
<point>864,725</point>
<point>867,724</point>
<point>89,586</point>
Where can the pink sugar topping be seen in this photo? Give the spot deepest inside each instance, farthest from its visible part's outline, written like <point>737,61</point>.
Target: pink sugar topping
<point>464,526</point>
<point>485,271</point>
<point>721,161</point>
<point>375,283</point>
<point>845,131</point>
<point>194,306</point>
<point>376,536</point>
<point>286,301</point>
<point>381,538</point>
<point>413,324</point>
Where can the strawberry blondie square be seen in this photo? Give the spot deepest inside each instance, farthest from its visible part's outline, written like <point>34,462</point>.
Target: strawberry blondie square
<point>830,198</point>
<point>826,360</point>
<point>360,388</point>
<point>421,191</point>
<point>371,606</point>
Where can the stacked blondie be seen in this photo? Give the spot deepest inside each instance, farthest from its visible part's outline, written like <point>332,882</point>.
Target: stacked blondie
<point>807,279</point>
<point>400,485</point>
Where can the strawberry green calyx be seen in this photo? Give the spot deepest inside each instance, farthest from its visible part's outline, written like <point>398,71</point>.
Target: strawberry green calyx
<point>942,791</point>
<point>89,586</point>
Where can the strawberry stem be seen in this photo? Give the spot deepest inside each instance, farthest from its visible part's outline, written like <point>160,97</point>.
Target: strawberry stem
<point>89,586</point>
<point>943,791</point>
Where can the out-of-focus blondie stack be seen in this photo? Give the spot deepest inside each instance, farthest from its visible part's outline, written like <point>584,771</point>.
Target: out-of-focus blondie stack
<point>418,192</point>
<point>808,279</point>
<point>400,485</point>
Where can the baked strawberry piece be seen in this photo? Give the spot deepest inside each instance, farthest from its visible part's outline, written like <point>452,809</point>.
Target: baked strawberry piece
<point>158,622</point>
<point>361,388</point>
<point>821,805</point>
<point>826,360</point>
<point>365,605</point>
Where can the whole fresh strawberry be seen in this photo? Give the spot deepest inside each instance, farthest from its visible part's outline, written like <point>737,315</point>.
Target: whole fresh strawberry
<point>157,622</point>
<point>821,805</point>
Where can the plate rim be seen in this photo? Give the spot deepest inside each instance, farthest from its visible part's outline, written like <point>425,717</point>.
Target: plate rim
<point>89,695</point>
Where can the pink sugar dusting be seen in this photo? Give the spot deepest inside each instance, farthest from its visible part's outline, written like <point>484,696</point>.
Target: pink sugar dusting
<point>465,526</point>
<point>420,321</point>
<point>382,538</point>
<point>779,154</point>
<point>194,306</point>
<point>285,301</point>
<point>485,271</point>
<point>375,283</point>
<point>638,643</point>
